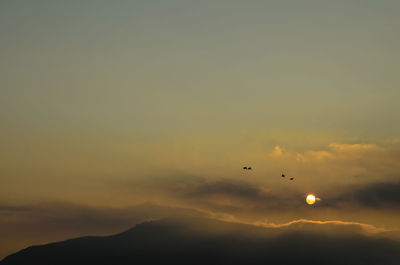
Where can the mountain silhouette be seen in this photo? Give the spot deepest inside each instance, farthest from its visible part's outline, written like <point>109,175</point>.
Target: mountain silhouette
<point>204,241</point>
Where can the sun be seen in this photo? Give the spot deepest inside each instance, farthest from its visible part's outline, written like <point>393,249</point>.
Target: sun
<point>310,199</point>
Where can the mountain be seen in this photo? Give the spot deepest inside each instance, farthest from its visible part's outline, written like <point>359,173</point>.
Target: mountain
<point>204,241</point>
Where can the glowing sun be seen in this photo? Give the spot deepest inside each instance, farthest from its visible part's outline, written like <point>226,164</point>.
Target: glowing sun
<point>310,199</point>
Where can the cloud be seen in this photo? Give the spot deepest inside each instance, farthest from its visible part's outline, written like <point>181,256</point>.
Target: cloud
<point>278,152</point>
<point>300,222</point>
<point>205,188</point>
<point>337,164</point>
<point>322,227</point>
<point>237,197</point>
<point>379,195</point>
<point>234,196</point>
<point>346,152</point>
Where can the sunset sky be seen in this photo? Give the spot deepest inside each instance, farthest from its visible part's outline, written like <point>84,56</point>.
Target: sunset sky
<point>115,112</point>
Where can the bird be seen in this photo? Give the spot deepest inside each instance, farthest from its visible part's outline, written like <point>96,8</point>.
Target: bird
<point>244,167</point>
<point>283,175</point>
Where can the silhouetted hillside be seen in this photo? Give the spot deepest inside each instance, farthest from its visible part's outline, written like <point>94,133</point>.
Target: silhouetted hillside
<point>200,241</point>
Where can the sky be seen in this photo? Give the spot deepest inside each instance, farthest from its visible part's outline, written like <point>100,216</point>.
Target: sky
<point>105,106</point>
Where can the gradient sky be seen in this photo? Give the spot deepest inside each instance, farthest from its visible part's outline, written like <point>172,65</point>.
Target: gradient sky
<point>117,103</point>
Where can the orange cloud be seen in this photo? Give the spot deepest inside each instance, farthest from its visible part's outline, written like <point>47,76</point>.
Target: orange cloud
<point>368,228</point>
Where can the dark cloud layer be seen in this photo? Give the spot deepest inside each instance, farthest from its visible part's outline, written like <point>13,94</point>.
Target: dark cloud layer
<point>382,195</point>
<point>225,188</point>
<point>239,193</point>
<point>230,188</point>
<point>228,194</point>
<point>379,195</point>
